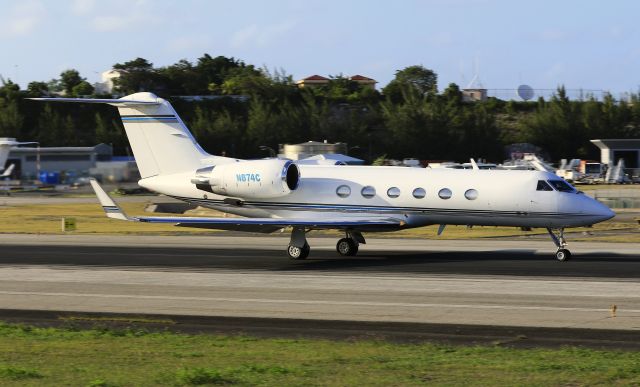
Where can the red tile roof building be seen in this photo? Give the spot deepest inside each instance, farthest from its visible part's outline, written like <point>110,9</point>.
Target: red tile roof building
<point>313,81</point>
<point>319,80</point>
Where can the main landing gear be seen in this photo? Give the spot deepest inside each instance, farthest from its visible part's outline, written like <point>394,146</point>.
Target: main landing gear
<point>298,253</point>
<point>557,235</point>
<point>298,248</point>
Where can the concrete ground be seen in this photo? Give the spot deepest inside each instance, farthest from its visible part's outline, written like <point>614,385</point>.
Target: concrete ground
<point>486,283</point>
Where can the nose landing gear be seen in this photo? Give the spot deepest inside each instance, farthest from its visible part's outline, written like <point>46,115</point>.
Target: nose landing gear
<point>557,235</point>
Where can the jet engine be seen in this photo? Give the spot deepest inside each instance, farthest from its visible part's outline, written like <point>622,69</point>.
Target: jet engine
<point>253,179</point>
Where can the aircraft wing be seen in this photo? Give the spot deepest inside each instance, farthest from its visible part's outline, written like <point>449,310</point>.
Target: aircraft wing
<point>249,224</point>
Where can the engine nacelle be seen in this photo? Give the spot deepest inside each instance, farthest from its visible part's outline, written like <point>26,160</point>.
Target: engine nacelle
<point>253,179</point>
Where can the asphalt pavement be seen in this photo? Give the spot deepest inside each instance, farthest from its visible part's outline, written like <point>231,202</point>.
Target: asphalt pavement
<point>477,286</point>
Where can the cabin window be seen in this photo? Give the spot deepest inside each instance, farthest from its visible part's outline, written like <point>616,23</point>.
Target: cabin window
<point>445,193</point>
<point>393,192</point>
<point>419,193</point>
<point>343,191</point>
<point>543,186</point>
<point>471,194</point>
<point>368,192</point>
<point>562,186</point>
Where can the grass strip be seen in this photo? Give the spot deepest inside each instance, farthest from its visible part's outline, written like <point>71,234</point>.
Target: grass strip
<point>31,356</point>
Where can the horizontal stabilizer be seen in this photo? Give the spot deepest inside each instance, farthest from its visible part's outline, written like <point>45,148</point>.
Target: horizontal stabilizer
<point>114,102</point>
<point>12,142</point>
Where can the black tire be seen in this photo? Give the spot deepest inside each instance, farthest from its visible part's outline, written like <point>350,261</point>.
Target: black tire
<point>347,247</point>
<point>298,253</point>
<point>563,255</point>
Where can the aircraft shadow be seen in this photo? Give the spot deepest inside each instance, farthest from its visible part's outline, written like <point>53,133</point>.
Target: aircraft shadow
<point>498,262</point>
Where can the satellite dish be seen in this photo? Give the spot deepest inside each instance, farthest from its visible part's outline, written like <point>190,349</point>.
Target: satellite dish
<point>525,92</point>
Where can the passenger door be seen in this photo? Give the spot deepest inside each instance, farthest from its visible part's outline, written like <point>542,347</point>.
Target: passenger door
<point>544,199</point>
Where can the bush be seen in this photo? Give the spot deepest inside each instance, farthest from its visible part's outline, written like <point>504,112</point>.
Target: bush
<point>199,376</point>
<point>18,373</point>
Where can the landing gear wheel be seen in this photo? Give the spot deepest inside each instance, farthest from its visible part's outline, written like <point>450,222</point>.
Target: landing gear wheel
<point>298,253</point>
<point>563,255</point>
<point>347,247</point>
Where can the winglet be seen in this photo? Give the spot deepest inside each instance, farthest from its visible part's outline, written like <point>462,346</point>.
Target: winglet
<point>110,207</point>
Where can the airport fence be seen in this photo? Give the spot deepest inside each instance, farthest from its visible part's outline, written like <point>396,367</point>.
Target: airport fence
<point>618,198</point>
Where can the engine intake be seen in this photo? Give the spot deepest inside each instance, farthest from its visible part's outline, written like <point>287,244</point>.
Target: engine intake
<point>253,179</point>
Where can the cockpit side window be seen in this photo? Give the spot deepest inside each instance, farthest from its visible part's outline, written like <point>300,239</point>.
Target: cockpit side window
<point>543,186</point>
<point>562,186</point>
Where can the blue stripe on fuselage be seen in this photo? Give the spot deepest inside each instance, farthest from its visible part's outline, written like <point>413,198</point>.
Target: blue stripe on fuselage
<point>352,208</point>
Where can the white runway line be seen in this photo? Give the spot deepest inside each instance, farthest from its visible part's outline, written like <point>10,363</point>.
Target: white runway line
<point>316,302</point>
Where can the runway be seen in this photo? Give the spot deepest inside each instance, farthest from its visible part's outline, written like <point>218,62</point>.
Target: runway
<point>470,283</point>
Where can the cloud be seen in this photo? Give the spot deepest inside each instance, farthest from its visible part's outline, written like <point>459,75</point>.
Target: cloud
<point>555,73</point>
<point>83,7</point>
<point>616,32</point>
<point>244,36</point>
<point>22,19</point>
<point>440,39</point>
<point>187,43</point>
<point>111,23</point>
<point>256,36</point>
<point>130,15</point>
<point>553,35</point>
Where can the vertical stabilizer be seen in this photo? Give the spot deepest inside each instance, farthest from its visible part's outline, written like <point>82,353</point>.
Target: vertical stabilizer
<point>160,141</point>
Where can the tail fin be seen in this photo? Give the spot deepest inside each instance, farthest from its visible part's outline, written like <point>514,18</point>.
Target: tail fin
<point>5,147</point>
<point>7,172</point>
<point>160,141</point>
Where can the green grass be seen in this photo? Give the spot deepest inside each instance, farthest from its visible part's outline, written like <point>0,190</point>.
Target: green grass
<point>90,218</point>
<point>18,373</point>
<point>100,357</point>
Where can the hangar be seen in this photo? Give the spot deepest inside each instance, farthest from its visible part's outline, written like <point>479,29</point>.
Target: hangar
<point>612,150</point>
<point>29,161</point>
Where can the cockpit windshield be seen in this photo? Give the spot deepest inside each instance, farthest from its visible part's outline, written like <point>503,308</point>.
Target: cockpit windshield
<point>562,186</point>
<point>543,186</point>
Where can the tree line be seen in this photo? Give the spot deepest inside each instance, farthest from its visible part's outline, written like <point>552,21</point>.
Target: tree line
<point>407,118</point>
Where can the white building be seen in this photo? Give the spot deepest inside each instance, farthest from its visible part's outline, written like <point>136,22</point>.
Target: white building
<point>474,91</point>
<point>612,150</point>
<point>310,148</point>
<point>106,86</point>
<point>30,161</point>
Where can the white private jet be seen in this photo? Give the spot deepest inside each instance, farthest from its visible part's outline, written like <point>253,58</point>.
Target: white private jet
<point>6,143</point>
<point>273,193</point>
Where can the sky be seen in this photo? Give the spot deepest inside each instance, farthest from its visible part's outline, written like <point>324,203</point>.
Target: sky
<point>584,44</point>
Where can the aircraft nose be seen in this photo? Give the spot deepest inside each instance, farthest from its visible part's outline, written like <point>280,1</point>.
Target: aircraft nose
<point>600,211</point>
<point>605,212</point>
